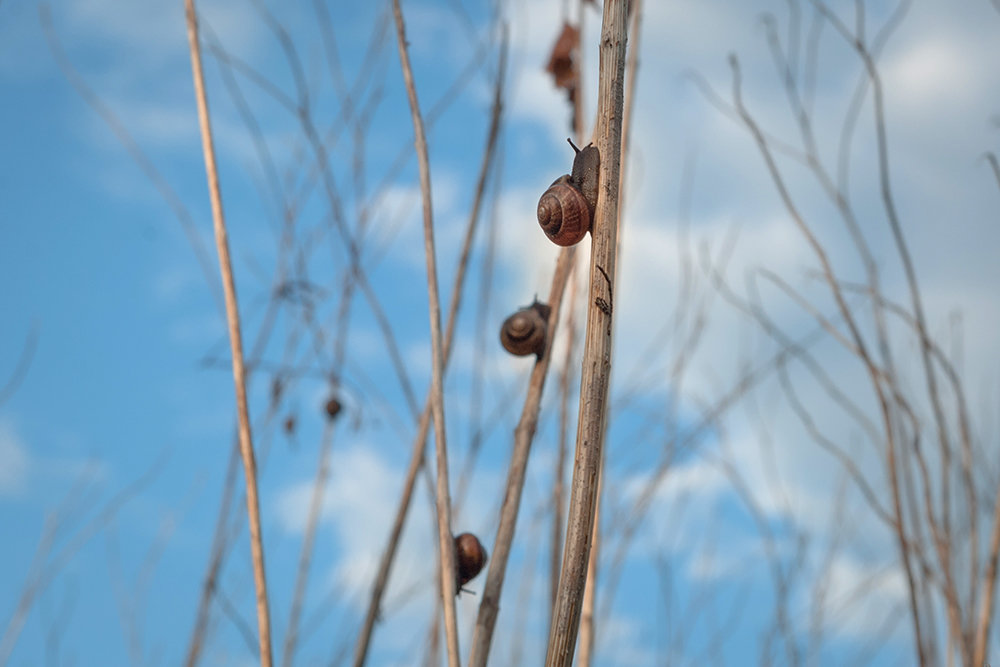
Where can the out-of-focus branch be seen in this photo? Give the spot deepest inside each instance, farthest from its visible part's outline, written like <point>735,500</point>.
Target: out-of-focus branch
<point>523,436</point>
<point>135,151</point>
<point>48,562</point>
<point>446,550</point>
<point>21,368</point>
<point>420,441</point>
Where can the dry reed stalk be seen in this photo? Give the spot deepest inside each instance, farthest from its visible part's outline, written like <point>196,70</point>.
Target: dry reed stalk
<point>446,551</point>
<point>235,340</point>
<point>420,441</point>
<point>595,377</point>
<point>321,479</point>
<point>217,554</point>
<point>524,434</point>
<point>308,543</point>
<point>587,630</point>
<point>558,487</point>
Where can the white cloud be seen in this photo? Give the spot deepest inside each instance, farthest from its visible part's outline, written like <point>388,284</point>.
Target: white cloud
<point>861,596</point>
<point>359,505</point>
<point>928,70</point>
<point>698,480</point>
<point>622,643</point>
<point>155,31</point>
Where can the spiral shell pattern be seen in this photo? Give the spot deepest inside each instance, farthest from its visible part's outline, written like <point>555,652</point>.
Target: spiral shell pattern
<point>524,332</point>
<point>564,214</point>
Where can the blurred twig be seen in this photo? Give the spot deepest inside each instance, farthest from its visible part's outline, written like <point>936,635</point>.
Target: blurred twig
<point>524,434</point>
<point>48,561</point>
<point>420,441</point>
<point>21,368</point>
<point>135,152</point>
<point>446,551</point>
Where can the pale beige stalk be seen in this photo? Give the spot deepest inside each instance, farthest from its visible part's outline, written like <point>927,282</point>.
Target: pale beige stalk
<point>235,340</point>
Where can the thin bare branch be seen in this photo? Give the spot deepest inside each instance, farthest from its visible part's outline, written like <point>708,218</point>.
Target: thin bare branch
<point>235,338</point>
<point>524,434</point>
<point>420,441</point>
<point>48,562</point>
<point>21,367</point>
<point>135,151</point>
<point>446,551</point>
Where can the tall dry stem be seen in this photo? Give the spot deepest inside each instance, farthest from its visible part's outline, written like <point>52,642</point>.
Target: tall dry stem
<point>594,382</point>
<point>420,441</point>
<point>588,620</point>
<point>446,549</point>
<point>524,434</point>
<point>235,340</point>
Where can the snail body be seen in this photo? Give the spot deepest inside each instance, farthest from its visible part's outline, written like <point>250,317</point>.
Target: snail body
<point>566,209</point>
<point>525,331</point>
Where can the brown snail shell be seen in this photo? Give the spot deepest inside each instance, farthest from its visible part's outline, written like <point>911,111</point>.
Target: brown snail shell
<point>566,209</point>
<point>525,331</point>
<point>563,213</point>
<point>470,558</point>
<point>332,407</point>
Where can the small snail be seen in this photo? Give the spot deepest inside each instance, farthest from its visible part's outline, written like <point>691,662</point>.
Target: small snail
<point>524,332</point>
<point>566,209</point>
<point>470,557</point>
<point>332,407</point>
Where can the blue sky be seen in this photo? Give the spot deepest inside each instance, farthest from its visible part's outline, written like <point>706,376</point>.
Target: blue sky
<point>129,370</point>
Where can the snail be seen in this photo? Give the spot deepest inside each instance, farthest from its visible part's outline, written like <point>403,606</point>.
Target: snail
<point>332,407</point>
<point>525,331</point>
<point>566,209</point>
<point>470,557</point>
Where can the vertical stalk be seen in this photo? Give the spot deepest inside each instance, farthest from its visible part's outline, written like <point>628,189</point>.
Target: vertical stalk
<point>558,487</point>
<point>524,434</point>
<point>235,339</point>
<point>596,370</point>
<point>589,592</point>
<point>445,539</point>
<point>420,442</point>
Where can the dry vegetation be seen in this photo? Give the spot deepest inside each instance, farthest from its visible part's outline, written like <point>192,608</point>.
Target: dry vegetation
<point>922,474</point>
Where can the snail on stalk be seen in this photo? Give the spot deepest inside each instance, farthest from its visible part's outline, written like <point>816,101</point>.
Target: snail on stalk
<point>566,209</point>
<point>525,331</point>
<point>470,557</point>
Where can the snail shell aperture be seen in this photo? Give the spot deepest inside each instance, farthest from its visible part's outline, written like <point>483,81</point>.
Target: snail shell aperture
<point>525,331</point>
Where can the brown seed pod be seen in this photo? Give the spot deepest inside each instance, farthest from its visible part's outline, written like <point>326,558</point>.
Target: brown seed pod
<point>332,407</point>
<point>566,209</point>
<point>470,557</point>
<point>524,332</point>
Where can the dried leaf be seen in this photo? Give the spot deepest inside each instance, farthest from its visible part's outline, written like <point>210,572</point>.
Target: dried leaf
<point>562,63</point>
